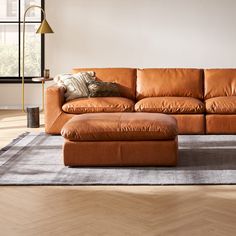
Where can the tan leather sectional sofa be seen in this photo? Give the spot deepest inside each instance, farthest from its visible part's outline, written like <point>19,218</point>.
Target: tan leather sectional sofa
<point>202,101</point>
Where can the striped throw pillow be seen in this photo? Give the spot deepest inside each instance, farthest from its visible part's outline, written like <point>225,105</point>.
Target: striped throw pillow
<point>75,84</point>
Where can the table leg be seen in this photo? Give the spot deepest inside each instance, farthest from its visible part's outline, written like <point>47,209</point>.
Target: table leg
<point>42,95</point>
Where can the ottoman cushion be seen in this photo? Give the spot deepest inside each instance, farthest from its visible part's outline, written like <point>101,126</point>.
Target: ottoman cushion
<point>120,127</point>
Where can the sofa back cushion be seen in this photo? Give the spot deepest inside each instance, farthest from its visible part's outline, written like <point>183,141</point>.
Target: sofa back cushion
<point>124,77</point>
<point>220,82</point>
<point>169,82</point>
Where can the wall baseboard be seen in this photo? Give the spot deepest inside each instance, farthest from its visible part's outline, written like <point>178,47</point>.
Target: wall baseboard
<point>17,107</point>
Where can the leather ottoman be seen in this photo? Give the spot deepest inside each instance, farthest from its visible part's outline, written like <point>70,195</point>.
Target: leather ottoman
<point>120,139</point>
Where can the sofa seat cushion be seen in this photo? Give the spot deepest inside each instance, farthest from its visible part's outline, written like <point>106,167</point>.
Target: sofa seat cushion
<point>98,104</point>
<point>170,105</point>
<point>120,127</point>
<point>221,105</point>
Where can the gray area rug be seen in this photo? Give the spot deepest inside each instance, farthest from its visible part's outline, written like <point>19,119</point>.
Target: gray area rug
<point>36,159</point>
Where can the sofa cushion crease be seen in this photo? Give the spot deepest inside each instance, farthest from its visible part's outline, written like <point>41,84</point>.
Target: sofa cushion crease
<point>220,102</point>
<point>170,105</point>
<point>120,139</point>
<point>221,105</point>
<point>202,101</point>
<point>169,83</point>
<point>120,126</point>
<point>99,104</point>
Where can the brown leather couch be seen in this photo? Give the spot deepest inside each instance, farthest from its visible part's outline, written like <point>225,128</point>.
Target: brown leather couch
<point>202,101</point>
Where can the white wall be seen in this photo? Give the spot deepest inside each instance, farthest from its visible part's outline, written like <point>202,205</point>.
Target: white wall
<point>136,33</point>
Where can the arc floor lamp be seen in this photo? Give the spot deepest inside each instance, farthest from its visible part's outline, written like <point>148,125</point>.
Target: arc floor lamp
<point>44,28</point>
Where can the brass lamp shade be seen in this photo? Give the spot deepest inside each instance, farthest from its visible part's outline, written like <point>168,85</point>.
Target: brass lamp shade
<point>44,28</point>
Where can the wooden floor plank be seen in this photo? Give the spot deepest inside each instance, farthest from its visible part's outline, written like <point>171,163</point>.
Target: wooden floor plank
<point>111,210</point>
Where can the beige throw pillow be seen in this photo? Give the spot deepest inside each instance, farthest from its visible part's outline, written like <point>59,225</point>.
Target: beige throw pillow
<point>75,84</point>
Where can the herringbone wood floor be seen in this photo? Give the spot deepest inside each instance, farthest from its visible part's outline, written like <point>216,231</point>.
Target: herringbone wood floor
<point>112,210</point>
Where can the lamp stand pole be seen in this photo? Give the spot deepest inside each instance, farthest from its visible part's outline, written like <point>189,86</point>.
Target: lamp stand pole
<point>23,53</point>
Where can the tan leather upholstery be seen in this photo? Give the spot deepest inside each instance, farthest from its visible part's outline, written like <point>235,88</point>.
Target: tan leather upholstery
<point>98,104</point>
<point>125,77</point>
<point>177,105</point>
<point>220,124</point>
<point>169,83</point>
<point>55,118</point>
<point>220,82</point>
<point>220,93</point>
<point>220,101</point>
<point>221,105</point>
<point>190,123</point>
<point>118,153</point>
<point>120,126</point>
<point>120,139</point>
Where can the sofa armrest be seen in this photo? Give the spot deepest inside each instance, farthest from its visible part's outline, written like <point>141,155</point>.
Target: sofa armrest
<point>54,99</point>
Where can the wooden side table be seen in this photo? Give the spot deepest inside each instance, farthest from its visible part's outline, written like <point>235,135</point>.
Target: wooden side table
<point>42,80</point>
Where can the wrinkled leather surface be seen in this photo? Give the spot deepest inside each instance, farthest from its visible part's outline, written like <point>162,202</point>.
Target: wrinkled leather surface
<point>220,82</point>
<point>118,153</point>
<point>183,105</point>
<point>221,105</point>
<point>170,83</point>
<point>55,118</point>
<point>190,124</point>
<point>98,104</point>
<point>220,124</point>
<point>125,77</point>
<point>120,126</point>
